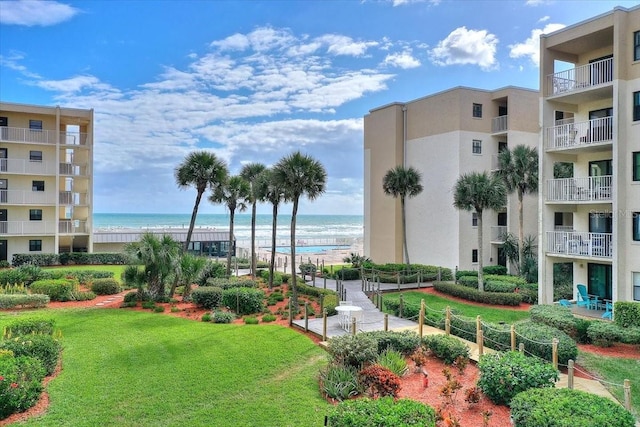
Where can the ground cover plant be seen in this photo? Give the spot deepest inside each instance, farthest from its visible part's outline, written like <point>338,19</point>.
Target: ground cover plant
<point>212,372</point>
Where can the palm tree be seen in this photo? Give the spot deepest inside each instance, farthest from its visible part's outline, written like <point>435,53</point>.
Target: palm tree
<point>299,175</point>
<point>518,169</point>
<point>250,173</point>
<point>234,194</point>
<point>200,169</point>
<point>271,190</point>
<point>477,191</point>
<point>188,270</point>
<point>402,182</point>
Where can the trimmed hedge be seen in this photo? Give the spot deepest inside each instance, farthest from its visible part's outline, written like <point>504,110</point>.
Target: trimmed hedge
<point>27,373</point>
<point>537,341</point>
<point>565,407</point>
<point>57,289</point>
<point>428,272</point>
<point>23,301</point>
<point>105,286</point>
<point>27,326</point>
<point>603,334</point>
<point>382,412</point>
<point>348,274</point>
<point>555,316</point>
<point>409,310</point>
<point>471,294</point>
<point>231,283</point>
<point>43,347</point>
<point>353,350</point>
<point>446,347</point>
<point>208,297</point>
<point>243,300</point>
<point>79,258</point>
<point>406,342</point>
<point>627,313</point>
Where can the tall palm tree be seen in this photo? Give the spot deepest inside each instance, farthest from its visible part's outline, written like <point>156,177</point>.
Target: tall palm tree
<point>271,190</point>
<point>477,191</point>
<point>402,182</point>
<point>299,175</point>
<point>234,194</point>
<point>202,170</point>
<point>250,173</point>
<point>518,169</point>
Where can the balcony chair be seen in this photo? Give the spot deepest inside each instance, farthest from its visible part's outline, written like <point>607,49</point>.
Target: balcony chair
<point>565,303</point>
<point>586,300</point>
<point>608,310</point>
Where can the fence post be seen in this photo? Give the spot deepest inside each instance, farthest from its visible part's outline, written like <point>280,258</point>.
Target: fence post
<point>306,317</point>
<point>325,281</point>
<point>324,325</point>
<point>521,347</point>
<point>627,394</point>
<point>379,300</point>
<point>321,302</point>
<point>480,342</point>
<point>447,326</point>
<point>386,322</point>
<point>353,326</point>
<point>421,320</point>
<point>570,374</point>
<point>448,314</point>
<point>401,308</point>
<point>419,279</point>
<point>290,313</point>
<point>554,352</point>
<point>479,334</point>
<point>398,279</point>
<point>513,337</point>
<point>439,274</point>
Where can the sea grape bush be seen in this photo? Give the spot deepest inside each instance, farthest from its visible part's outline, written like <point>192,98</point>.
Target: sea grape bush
<point>208,297</point>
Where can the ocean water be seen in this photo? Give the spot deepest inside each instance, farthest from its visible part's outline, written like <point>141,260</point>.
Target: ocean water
<point>310,229</point>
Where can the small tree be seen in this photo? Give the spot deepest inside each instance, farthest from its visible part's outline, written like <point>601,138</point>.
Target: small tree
<point>250,172</point>
<point>271,190</point>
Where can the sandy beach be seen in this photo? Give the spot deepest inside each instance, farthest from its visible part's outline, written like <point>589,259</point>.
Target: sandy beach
<point>328,257</point>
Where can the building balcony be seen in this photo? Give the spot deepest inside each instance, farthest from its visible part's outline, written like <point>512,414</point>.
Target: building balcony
<point>498,234</point>
<point>35,136</point>
<point>569,136</point>
<point>579,79</point>
<point>573,190</point>
<point>72,226</point>
<point>499,124</point>
<point>27,167</point>
<point>580,244</point>
<point>28,228</point>
<point>72,198</point>
<point>20,197</point>
<point>74,169</point>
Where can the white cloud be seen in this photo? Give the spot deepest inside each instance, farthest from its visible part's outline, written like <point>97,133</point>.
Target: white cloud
<point>544,18</point>
<point>537,2</point>
<point>13,62</point>
<point>73,84</point>
<point>402,60</point>
<point>462,46</point>
<point>35,12</point>
<point>531,47</point>
<point>343,45</point>
<point>404,2</point>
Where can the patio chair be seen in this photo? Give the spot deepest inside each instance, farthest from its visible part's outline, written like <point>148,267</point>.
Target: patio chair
<point>584,299</point>
<point>565,303</point>
<point>608,310</point>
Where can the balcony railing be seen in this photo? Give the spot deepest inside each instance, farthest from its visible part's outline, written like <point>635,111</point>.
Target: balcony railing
<point>498,233</point>
<point>19,228</point>
<point>12,134</point>
<point>26,166</point>
<point>584,244</point>
<point>71,226</point>
<point>73,169</point>
<point>20,197</point>
<point>582,77</point>
<point>72,198</point>
<point>499,124</point>
<point>589,189</point>
<point>582,134</point>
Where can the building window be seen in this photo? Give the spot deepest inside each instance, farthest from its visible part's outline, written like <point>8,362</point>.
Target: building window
<point>35,124</point>
<point>474,219</point>
<point>636,46</point>
<point>474,255</point>
<point>35,245</point>
<point>635,218</point>
<point>635,158</point>
<point>636,106</point>
<point>477,110</point>
<point>476,146</point>
<point>35,214</point>
<point>35,156</point>
<point>636,286</point>
<point>37,186</point>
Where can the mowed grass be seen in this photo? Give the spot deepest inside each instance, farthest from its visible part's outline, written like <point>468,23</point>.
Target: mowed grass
<point>435,302</point>
<point>126,368</point>
<point>116,269</point>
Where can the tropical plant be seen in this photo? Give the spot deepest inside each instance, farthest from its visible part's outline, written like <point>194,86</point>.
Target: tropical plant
<point>250,173</point>
<point>188,270</point>
<point>234,194</point>
<point>528,267</point>
<point>518,170</point>
<point>300,175</point>
<point>356,260</point>
<point>479,191</point>
<point>271,190</point>
<point>200,169</point>
<point>402,182</point>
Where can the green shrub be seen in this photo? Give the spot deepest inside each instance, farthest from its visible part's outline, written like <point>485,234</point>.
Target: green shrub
<point>353,350</point>
<point>582,328</point>
<point>243,300</point>
<point>208,297</point>
<point>82,296</point>
<point>469,281</point>
<point>223,317</point>
<point>27,326</point>
<point>627,313</point>
<point>105,286</point>
<point>212,269</point>
<point>307,268</point>
<point>78,258</point>
<point>45,348</point>
<point>406,342</point>
<point>330,302</point>
<point>14,289</point>
<point>24,301</point>
<point>604,334</point>
<point>394,361</point>
<point>158,309</point>
<point>630,335</point>
<point>251,320</point>
<point>348,274</point>
<point>149,305</point>
<point>131,297</point>
<point>462,273</point>
<point>339,382</point>
<point>206,317</point>
<point>383,412</point>
<point>529,292</point>
<point>409,310</point>
<point>567,408</point>
<point>231,283</point>
<point>446,347</point>
<point>21,384</point>
<point>4,264</point>
<point>503,375</point>
<point>57,289</point>
<point>556,316</point>
<point>499,270</point>
<point>537,341</point>
<point>268,318</point>
<point>502,287</point>
<point>471,294</point>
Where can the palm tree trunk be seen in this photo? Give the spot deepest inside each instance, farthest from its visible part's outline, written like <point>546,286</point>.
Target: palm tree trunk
<point>192,223</point>
<point>253,240</point>
<point>274,226</point>
<point>404,232</point>
<point>231,215</point>
<point>480,272</point>
<point>520,232</point>
<point>294,290</point>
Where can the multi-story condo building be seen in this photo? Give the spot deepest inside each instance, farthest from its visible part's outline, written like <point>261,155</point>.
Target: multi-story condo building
<point>590,118</point>
<point>443,136</point>
<point>46,179</point>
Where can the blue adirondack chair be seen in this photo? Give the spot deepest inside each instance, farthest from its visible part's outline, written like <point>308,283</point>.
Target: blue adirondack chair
<point>608,310</point>
<point>565,303</point>
<point>584,299</point>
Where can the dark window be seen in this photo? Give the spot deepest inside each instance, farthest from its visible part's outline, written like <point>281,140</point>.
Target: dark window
<point>35,156</point>
<point>474,255</point>
<point>636,46</point>
<point>37,186</point>
<point>636,106</point>
<point>35,124</point>
<point>35,245</point>
<point>477,110</point>
<point>474,219</point>
<point>35,214</point>
<point>476,146</point>
<point>502,219</point>
<point>635,218</point>
<point>635,158</point>
<point>636,286</point>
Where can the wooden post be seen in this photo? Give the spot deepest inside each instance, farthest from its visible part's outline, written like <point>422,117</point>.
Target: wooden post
<point>570,374</point>
<point>386,322</point>
<point>398,280</point>
<point>513,338</point>
<point>321,302</point>
<point>419,279</point>
<point>439,274</point>
<point>324,325</point>
<point>447,326</point>
<point>306,316</point>
<point>325,281</point>
<point>480,343</point>
<point>627,394</point>
<point>421,321</point>
<point>380,301</point>
<point>478,332</point>
<point>448,314</point>
<point>401,306</point>
<point>290,313</point>
<point>353,326</point>
<point>521,347</point>
<point>554,352</point>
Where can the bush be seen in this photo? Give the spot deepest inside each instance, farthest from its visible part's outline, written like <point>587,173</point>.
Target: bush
<point>208,297</point>
<point>406,342</point>
<point>268,318</point>
<point>627,313</point>
<point>394,361</point>
<point>231,283</point>
<point>251,320</point>
<point>206,317</point>
<point>223,317</point>
<point>21,384</point>
<point>57,289</point>
<point>470,294</point>
<point>502,287</point>
<point>24,301</point>
<point>339,382</point>
<point>243,300</point>
<point>131,297</point>
<point>499,270</point>
<point>537,341</point>
<point>409,311</point>
<point>462,273</point>
<point>604,334</point>
<point>82,295</point>
<point>26,326</point>
<point>555,316</point>
<point>383,412</point>
<point>348,274</point>
<point>212,269</point>
<point>330,302</point>
<point>102,258</point>
<point>503,375</point>
<point>105,286</point>
<point>379,381</point>
<point>43,347</point>
<point>567,408</point>
<point>446,347</point>
<point>582,327</point>
<point>353,350</point>
<point>529,292</point>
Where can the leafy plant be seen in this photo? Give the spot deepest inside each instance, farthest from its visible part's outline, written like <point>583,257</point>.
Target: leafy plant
<point>404,341</point>
<point>206,317</point>
<point>251,320</point>
<point>20,383</point>
<point>353,350</point>
<point>383,412</point>
<point>208,297</point>
<point>339,382</point>
<point>105,286</point>
<point>379,381</point>
<point>472,395</point>
<point>394,361</point>
<point>223,317</point>
<point>268,318</point>
<point>446,347</point>
<point>45,348</point>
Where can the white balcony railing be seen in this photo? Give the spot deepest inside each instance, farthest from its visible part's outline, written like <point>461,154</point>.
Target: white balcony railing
<point>73,198</point>
<point>499,124</point>
<point>12,134</point>
<point>20,228</point>
<point>498,233</point>
<point>73,169</point>
<point>27,166</point>
<point>573,135</point>
<point>20,197</point>
<point>582,77</point>
<point>588,189</point>
<point>71,226</point>
<point>576,243</point>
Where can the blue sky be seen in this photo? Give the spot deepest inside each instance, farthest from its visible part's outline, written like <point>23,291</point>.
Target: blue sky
<point>255,80</point>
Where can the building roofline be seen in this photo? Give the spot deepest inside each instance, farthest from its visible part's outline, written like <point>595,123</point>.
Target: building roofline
<point>592,19</point>
<point>21,107</point>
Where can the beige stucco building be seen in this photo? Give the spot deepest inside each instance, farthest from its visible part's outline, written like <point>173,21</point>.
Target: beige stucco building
<point>46,179</point>
<point>590,118</point>
<point>443,136</point>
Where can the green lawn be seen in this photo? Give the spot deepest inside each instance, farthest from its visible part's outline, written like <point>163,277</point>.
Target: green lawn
<point>126,368</point>
<point>434,302</point>
<point>116,269</point>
